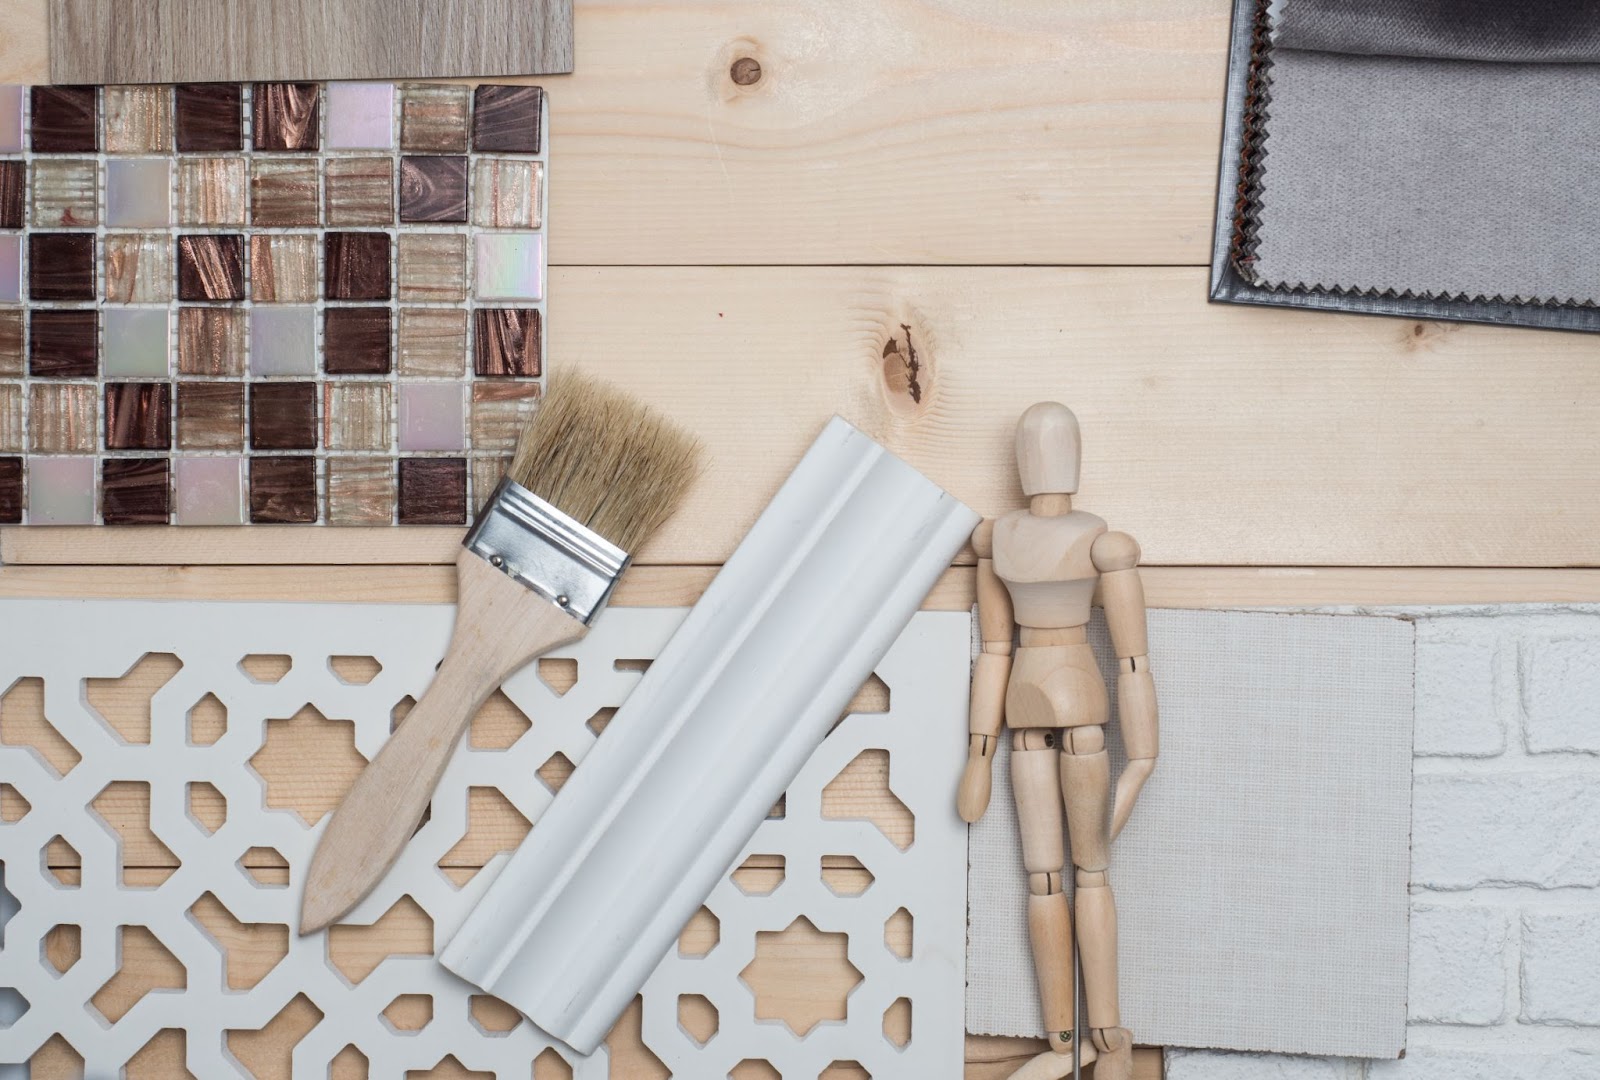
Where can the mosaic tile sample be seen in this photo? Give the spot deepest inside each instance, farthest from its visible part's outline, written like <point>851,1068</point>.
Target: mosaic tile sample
<point>267,303</point>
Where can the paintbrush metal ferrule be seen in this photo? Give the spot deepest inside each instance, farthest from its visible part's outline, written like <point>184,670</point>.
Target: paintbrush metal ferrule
<point>547,551</point>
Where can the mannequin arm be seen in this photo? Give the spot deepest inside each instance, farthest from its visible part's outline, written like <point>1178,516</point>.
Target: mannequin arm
<point>1116,556</point>
<point>989,678</point>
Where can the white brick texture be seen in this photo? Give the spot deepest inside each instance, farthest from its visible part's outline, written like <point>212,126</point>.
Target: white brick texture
<point>1505,859</point>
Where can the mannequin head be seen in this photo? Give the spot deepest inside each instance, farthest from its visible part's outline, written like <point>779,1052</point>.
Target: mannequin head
<point>1048,450</point>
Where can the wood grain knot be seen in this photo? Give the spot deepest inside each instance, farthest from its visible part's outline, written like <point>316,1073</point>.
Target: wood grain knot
<point>746,71</point>
<point>906,371</point>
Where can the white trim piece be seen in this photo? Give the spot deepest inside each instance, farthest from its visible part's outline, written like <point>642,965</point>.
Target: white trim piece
<point>719,726</point>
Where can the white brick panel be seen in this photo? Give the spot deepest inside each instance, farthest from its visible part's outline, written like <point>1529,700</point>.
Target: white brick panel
<point>1458,964</point>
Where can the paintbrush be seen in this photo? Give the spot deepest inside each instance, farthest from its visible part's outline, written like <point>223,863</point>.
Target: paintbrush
<point>594,476</point>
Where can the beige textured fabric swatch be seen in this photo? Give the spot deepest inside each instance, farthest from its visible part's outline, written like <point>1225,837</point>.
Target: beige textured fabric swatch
<point>1262,882</point>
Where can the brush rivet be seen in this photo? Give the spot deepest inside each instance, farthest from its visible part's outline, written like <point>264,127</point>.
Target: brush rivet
<point>564,601</point>
<point>496,561</point>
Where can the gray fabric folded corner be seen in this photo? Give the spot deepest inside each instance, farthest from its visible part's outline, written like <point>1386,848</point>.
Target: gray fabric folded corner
<point>1417,148</point>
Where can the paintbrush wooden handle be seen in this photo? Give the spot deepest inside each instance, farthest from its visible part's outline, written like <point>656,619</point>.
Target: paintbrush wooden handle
<point>500,627</point>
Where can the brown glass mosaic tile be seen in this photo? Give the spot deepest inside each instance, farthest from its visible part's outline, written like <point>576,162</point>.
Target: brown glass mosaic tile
<point>360,491</point>
<point>507,119</point>
<point>433,491</point>
<point>506,341</point>
<point>211,341</point>
<point>284,193</point>
<point>210,416</point>
<point>13,181</point>
<point>135,491</point>
<point>433,189</point>
<point>211,190</point>
<point>209,116</point>
<point>138,416</point>
<point>66,418</point>
<point>355,341</point>
<point>356,265</point>
<point>61,266</point>
<point>283,416</point>
<point>64,120</point>
<point>138,268</point>
<point>434,119</point>
<point>283,268</point>
<point>364,342</point>
<point>63,344</point>
<point>283,490</point>
<point>10,490</point>
<point>211,267</point>
<point>286,116</point>
<point>138,119</point>
<point>433,341</point>
<point>433,267</point>
<point>359,191</point>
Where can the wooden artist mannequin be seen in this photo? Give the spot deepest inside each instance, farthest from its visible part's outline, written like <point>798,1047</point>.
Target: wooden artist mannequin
<point>1038,568</point>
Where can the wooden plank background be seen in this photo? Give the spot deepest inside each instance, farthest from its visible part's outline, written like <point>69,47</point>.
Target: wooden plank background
<point>1022,190</point>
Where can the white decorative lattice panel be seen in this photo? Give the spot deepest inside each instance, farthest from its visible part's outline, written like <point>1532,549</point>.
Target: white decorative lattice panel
<point>222,925</point>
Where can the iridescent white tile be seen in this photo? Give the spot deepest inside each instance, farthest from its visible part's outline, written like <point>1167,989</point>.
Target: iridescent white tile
<point>283,340</point>
<point>138,192</point>
<point>137,342</point>
<point>209,490</point>
<point>61,490</point>
<point>432,416</point>
<point>510,267</point>
<point>10,268</point>
<point>10,119</point>
<point>360,116</point>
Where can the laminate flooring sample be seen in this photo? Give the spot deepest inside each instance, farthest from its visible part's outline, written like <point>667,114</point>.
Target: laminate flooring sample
<point>194,41</point>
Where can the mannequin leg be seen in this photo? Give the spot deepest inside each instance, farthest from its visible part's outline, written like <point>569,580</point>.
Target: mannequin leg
<point>1033,780</point>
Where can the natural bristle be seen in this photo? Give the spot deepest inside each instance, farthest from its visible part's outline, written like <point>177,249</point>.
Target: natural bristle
<point>603,458</point>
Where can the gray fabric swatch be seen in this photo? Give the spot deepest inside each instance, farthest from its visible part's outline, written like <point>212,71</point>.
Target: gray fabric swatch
<point>1262,883</point>
<point>1441,178</point>
<point>1538,31</point>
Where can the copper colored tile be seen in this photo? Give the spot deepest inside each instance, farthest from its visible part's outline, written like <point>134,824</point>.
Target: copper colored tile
<point>10,490</point>
<point>11,341</point>
<point>506,341</point>
<point>506,193</point>
<point>209,116</point>
<point>433,189</point>
<point>11,434</point>
<point>486,475</point>
<point>66,193</point>
<point>64,120</point>
<point>283,416</point>
<point>211,190</point>
<point>63,344</point>
<point>284,193</point>
<point>355,341</point>
<point>283,490</point>
<point>285,115</point>
<point>13,179</point>
<point>433,266</point>
<point>433,491</point>
<point>283,269</point>
<point>138,268</point>
<point>210,416</point>
<point>64,418</point>
<point>138,416</point>
<point>433,341</point>
<point>434,118</point>
<point>211,341</point>
<point>356,416</point>
<point>138,120</point>
<point>211,267</point>
<point>359,191</point>
<point>61,266</point>
<point>500,410</point>
<point>135,491</point>
<point>506,118</point>
<point>360,491</point>
<point>356,265</point>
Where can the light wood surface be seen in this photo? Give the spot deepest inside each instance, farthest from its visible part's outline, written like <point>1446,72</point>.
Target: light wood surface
<point>144,41</point>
